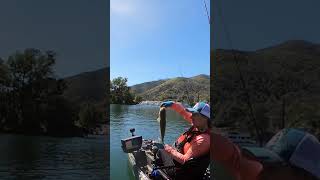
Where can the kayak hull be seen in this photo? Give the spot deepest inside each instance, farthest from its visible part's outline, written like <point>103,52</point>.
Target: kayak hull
<point>138,173</point>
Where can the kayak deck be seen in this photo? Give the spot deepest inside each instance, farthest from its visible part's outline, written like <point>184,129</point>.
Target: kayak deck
<point>137,171</point>
<point>142,162</point>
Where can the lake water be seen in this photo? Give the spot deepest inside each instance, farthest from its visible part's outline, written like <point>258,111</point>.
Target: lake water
<point>48,158</point>
<point>143,119</point>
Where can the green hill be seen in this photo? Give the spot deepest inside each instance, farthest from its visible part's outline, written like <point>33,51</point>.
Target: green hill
<point>140,88</point>
<point>88,86</point>
<point>179,89</point>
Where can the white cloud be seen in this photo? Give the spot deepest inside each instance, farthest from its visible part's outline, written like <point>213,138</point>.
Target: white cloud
<point>133,18</point>
<point>123,7</point>
<point>134,10</point>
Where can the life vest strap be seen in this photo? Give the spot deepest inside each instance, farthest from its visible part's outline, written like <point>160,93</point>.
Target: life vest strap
<point>188,136</point>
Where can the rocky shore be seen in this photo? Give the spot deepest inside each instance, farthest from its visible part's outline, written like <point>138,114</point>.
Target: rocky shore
<point>155,103</point>
<point>158,103</point>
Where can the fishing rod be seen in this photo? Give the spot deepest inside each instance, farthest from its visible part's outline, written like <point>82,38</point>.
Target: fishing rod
<point>242,79</point>
<point>207,12</point>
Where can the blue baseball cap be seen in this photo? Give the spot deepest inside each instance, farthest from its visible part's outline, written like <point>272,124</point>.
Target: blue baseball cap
<point>202,108</point>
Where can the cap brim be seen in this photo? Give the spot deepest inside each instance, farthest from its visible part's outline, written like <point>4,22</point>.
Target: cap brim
<point>191,110</point>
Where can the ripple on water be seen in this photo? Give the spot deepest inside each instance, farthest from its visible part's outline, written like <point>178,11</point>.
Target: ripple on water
<point>31,157</point>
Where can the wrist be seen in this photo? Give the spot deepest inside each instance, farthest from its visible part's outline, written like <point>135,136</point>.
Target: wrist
<point>168,148</point>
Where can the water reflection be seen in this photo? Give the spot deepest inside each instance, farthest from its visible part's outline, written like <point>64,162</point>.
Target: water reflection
<point>31,157</point>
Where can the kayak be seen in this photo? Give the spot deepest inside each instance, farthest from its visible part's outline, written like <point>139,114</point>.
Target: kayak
<point>141,157</point>
<point>142,162</point>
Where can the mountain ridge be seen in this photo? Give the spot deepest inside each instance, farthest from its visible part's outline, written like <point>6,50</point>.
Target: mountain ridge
<point>281,82</point>
<point>175,88</point>
<point>92,85</point>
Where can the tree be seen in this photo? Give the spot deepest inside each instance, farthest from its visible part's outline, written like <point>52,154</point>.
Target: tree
<point>89,116</point>
<point>30,66</point>
<point>30,74</point>
<point>120,92</point>
<point>3,96</point>
<point>59,116</point>
<point>137,99</point>
<point>33,97</point>
<point>4,74</point>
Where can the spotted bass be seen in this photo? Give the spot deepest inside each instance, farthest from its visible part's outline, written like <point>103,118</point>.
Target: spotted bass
<point>162,121</point>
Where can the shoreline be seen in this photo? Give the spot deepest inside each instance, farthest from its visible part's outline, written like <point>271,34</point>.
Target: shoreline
<point>151,103</point>
<point>156,103</point>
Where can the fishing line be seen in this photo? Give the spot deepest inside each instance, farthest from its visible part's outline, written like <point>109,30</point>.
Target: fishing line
<point>207,12</point>
<point>242,80</point>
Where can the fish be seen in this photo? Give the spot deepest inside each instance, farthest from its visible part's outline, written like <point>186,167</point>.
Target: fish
<point>162,121</point>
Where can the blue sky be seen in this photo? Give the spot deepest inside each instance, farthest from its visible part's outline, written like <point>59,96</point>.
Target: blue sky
<point>151,40</point>
<point>256,24</point>
<point>77,30</point>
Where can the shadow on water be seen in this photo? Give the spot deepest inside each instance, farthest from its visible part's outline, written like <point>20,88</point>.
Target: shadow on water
<point>118,111</point>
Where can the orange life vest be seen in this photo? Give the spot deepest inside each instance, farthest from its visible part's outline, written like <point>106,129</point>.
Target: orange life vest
<point>183,142</point>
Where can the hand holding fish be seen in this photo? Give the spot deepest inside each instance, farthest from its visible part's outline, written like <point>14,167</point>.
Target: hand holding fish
<point>166,104</point>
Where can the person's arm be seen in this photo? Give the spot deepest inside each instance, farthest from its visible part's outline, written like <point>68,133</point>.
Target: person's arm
<point>198,147</point>
<point>178,107</point>
<point>229,155</point>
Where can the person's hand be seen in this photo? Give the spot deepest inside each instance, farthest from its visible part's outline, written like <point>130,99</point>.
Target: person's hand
<point>168,148</point>
<point>166,104</point>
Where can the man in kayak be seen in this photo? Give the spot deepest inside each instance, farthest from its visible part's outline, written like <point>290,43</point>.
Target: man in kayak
<point>191,152</point>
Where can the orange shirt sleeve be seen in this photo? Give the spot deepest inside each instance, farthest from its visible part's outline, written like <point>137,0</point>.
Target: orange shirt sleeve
<point>178,107</point>
<point>198,147</point>
<point>229,155</point>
